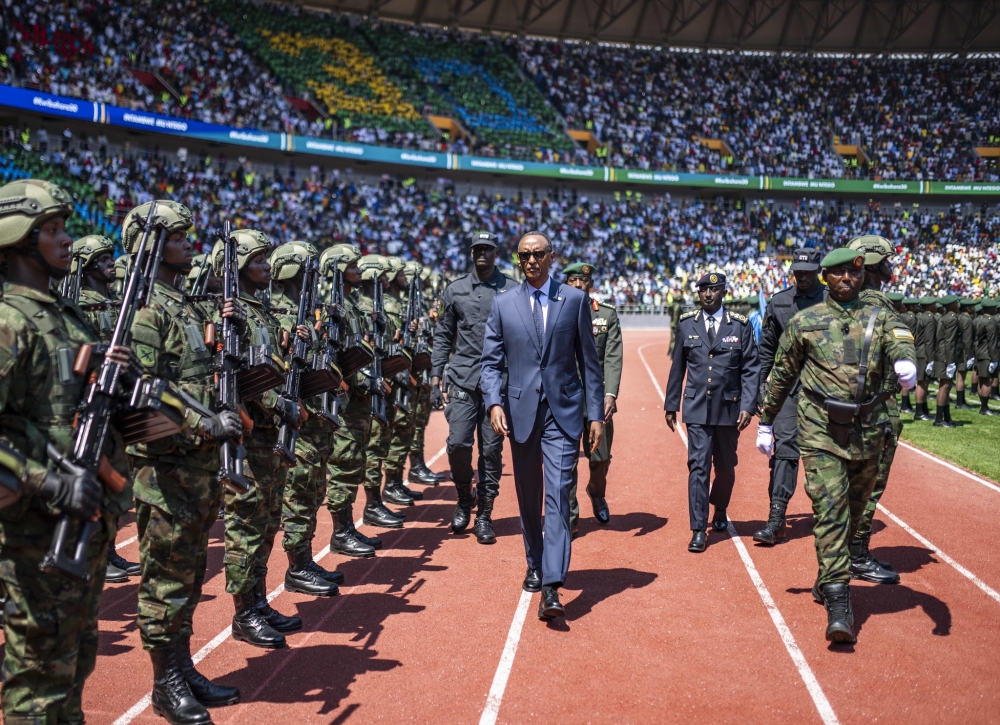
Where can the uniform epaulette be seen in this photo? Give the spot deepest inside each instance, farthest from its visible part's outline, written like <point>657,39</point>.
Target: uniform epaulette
<point>605,304</point>
<point>738,316</point>
<point>686,315</point>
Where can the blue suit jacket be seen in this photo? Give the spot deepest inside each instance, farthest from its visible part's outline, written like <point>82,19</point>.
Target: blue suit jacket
<point>568,354</point>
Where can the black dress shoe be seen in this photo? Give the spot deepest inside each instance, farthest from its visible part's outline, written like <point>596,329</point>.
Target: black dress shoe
<point>987,412</point>
<point>114,575</point>
<point>720,523</point>
<point>601,512</point>
<point>395,495</point>
<point>334,577</point>
<point>129,567</point>
<point>945,424</point>
<point>532,581</point>
<point>698,544</point>
<point>550,606</point>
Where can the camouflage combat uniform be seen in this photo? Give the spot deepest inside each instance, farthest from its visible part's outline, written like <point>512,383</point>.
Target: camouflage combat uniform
<point>839,478</point>
<point>50,621</point>
<point>379,437</point>
<point>403,424</point>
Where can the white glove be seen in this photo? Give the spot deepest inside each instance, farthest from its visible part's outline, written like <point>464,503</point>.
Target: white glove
<point>765,438</point>
<point>970,363</point>
<point>929,369</point>
<point>949,370</point>
<point>906,373</point>
<point>993,367</point>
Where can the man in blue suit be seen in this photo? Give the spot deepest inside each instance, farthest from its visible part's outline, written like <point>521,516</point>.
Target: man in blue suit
<point>540,333</point>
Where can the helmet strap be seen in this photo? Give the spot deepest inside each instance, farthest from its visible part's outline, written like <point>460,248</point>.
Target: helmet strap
<point>30,250</point>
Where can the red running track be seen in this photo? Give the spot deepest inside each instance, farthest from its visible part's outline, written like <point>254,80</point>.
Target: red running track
<point>436,628</point>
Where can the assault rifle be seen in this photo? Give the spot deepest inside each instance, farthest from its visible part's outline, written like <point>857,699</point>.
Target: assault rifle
<point>287,434</point>
<point>231,453</point>
<point>379,344</point>
<point>72,282</point>
<point>151,412</point>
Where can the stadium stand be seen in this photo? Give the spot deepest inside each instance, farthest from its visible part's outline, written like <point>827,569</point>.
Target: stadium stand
<point>284,68</point>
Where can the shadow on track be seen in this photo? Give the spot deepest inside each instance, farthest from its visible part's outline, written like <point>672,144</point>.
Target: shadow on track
<point>596,585</point>
<point>640,522</point>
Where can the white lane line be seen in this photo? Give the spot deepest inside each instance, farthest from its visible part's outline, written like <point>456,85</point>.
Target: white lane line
<point>950,466</point>
<point>819,699</point>
<point>138,708</point>
<point>123,544</point>
<point>492,709</point>
<point>990,591</point>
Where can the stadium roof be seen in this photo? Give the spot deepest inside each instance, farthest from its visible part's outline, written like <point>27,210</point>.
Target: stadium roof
<point>822,26</point>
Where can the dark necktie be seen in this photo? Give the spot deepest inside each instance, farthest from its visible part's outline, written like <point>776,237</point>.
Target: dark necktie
<point>711,331</point>
<point>536,314</point>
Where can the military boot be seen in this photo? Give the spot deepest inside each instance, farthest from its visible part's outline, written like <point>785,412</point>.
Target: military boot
<point>420,473</point>
<point>250,626</point>
<point>131,568</point>
<point>204,690</point>
<point>376,514</point>
<point>865,551</point>
<point>334,577</point>
<point>300,578</point>
<point>839,614</point>
<point>115,574</point>
<point>483,527</point>
<point>393,493</point>
<point>864,566</point>
<point>278,621</point>
<point>172,699</point>
<point>463,511</point>
<point>774,529</point>
<point>415,495</point>
<point>372,541</point>
<point>343,541</point>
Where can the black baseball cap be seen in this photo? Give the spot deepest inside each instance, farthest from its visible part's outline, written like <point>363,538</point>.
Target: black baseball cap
<point>484,238</point>
<point>806,259</point>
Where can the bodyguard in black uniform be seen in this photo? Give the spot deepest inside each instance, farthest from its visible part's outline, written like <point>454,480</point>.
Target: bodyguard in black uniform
<point>716,350</point>
<point>458,344</point>
<point>808,291</point>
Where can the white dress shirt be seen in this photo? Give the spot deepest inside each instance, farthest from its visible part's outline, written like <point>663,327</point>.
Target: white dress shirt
<point>544,299</point>
<point>718,320</point>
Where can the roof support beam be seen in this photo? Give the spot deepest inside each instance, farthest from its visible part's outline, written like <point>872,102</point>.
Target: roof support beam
<point>861,23</point>
<point>638,22</point>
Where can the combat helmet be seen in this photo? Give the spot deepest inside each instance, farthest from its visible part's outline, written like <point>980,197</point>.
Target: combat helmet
<point>27,203</point>
<point>876,248</point>
<point>170,215</point>
<point>373,266</point>
<point>249,243</point>
<point>343,255</point>
<point>395,265</point>
<point>288,259</point>
<point>88,248</point>
<point>197,262</point>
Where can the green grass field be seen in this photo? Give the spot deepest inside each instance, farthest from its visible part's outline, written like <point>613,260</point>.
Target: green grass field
<point>974,445</point>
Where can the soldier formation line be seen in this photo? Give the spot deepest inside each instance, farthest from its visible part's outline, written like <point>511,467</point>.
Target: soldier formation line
<point>256,383</point>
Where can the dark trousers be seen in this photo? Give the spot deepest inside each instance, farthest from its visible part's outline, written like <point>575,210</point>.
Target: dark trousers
<point>785,461</point>
<point>543,467</point>
<point>466,414</point>
<point>708,446</point>
<point>600,462</point>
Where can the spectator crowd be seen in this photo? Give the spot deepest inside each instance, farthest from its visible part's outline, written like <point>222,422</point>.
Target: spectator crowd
<point>243,64</point>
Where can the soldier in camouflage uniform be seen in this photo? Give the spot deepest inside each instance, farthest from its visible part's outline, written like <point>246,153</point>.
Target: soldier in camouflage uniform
<point>878,253</point>
<point>403,423</point>
<point>350,447</point>
<point>50,620</point>
<point>419,472</point>
<point>841,429</point>
<point>375,270</point>
<point>177,495</point>
<point>253,518</point>
<point>96,255</point>
<point>305,485</point>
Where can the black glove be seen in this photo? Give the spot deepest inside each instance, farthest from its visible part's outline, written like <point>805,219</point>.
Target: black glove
<point>437,398</point>
<point>222,426</point>
<point>402,378</point>
<point>75,493</point>
<point>289,411</point>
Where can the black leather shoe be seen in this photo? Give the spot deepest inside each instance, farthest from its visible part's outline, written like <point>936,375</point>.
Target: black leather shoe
<point>334,577</point>
<point>395,495</point>
<point>278,621</point>
<point>864,541</point>
<point>302,579</point>
<point>343,541</point>
<point>532,581</point>
<point>172,698</point>
<point>376,514</point>
<point>864,566</point>
<point>204,690</point>
<point>250,627</point>
<point>988,412</point>
<point>774,529</point>
<point>550,606</point>
<point>720,523</point>
<point>483,527</point>
<point>420,473</point>
<point>698,542</point>
<point>463,510</point>
<point>415,495</point>
<point>129,567</point>
<point>114,574</point>
<point>945,424</point>
<point>839,614</point>
<point>601,512</point>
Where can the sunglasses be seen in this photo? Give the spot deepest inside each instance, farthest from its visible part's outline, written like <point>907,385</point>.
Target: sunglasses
<point>537,256</point>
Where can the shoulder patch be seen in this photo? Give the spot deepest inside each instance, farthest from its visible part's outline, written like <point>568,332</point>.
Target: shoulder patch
<point>686,315</point>
<point>738,316</point>
<point>902,334</point>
